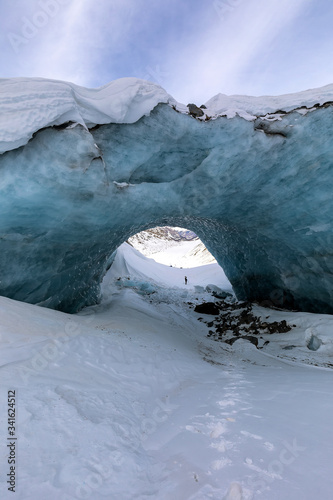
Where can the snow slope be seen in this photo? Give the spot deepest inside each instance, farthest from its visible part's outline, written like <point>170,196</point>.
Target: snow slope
<point>130,400</point>
<point>249,107</point>
<point>197,256</point>
<point>186,254</point>
<point>175,247</point>
<point>161,240</point>
<point>131,262</point>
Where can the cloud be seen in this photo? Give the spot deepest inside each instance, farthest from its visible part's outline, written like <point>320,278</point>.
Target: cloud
<point>194,49</point>
<point>71,43</point>
<point>214,61</point>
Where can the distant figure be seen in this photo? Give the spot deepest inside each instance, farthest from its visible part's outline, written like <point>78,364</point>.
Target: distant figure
<point>185,280</point>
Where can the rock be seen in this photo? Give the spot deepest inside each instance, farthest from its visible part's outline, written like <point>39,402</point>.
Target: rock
<point>231,341</point>
<point>207,308</point>
<point>195,111</point>
<point>251,339</point>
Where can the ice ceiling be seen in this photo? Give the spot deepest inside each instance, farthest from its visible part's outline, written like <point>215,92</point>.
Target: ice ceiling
<point>256,189</point>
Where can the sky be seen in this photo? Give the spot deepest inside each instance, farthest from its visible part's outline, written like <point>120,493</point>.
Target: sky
<point>193,48</point>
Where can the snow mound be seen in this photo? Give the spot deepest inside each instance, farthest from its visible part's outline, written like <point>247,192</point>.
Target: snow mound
<point>30,104</point>
<point>250,107</point>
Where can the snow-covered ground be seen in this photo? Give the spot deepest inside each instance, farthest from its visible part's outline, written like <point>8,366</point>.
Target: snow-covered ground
<point>131,400</point>
<point>186,254</point>
<point>131,263</point>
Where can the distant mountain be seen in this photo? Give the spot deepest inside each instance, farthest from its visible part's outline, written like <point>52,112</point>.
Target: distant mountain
<point>160,239</point>
<point>170,246</point>
<point>166,233</point>
<point>198,256</point>
<point>156,239</point>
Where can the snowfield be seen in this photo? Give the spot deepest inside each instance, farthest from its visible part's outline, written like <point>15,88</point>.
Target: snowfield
<point>131,400</point>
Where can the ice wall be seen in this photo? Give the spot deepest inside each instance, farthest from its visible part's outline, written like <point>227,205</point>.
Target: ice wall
<point>257,189</point>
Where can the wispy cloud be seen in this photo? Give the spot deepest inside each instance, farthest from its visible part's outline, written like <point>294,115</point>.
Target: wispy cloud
<point>73,44</point>
<point>194,49</point>
<point>215,61</point>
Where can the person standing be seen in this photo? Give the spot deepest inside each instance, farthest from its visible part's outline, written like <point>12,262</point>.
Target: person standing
<point>185,280</point>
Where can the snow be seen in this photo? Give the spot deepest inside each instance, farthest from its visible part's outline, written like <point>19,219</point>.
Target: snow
<point>178,255</point>
<point>130,262</point>
<point>30,104</point>
<point>130,399</point>
<point>250,107</point>
<point>161,241</point>
<point>198,255</point>
<point>170,252</point>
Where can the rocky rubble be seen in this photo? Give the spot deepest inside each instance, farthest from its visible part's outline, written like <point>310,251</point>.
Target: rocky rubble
<point>235,321</point>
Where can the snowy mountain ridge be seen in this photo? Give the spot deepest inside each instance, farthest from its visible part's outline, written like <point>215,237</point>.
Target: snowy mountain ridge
<point>172,246</point>
<point>165,233</point>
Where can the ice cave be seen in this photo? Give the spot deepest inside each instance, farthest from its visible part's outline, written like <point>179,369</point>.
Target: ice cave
<point>82,170</point>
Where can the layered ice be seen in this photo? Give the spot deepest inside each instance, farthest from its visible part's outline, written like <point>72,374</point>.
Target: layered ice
<point>83,169</point>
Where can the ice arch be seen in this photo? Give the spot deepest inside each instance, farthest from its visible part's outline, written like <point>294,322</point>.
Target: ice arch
<point>257,192</point>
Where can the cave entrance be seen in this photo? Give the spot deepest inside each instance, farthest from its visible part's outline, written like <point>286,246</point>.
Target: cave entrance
<point>173,257</point>
<point>172,246</point>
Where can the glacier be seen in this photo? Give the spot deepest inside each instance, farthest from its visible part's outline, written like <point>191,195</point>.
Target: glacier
<point>82,170</point>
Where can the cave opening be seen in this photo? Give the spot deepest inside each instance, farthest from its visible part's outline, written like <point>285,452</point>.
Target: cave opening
<point>172,246</point>
<point>171,257</point>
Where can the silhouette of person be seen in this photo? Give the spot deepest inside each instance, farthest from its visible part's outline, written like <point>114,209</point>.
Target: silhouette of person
<point>185,280</point>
